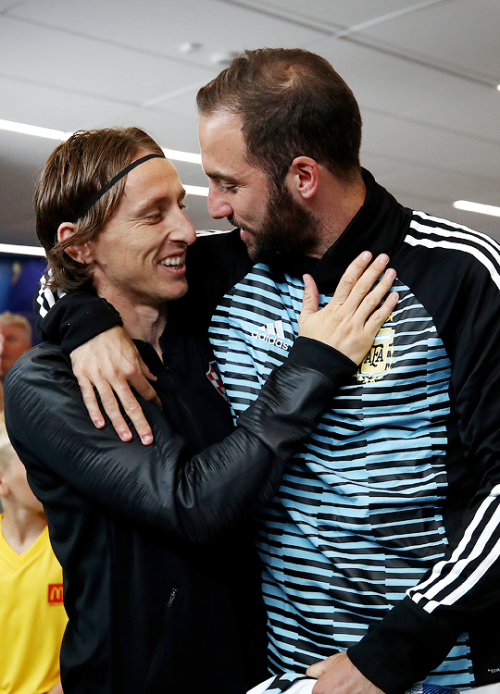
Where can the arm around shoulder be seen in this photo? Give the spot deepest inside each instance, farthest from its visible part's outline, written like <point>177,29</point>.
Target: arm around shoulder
<point>191,496</point>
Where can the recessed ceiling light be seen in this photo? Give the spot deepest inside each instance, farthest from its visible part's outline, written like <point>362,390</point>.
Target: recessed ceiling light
<point>176,155</point>
<point>190,47</point>
<point>223,59</point>
<point>477,207</point>
<point>196,190</point>
<point>498,87</point>
<point>35,130</point>
<point>21,250</point>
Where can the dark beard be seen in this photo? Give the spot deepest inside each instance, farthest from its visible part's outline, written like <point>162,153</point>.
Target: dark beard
<point>287,228</point>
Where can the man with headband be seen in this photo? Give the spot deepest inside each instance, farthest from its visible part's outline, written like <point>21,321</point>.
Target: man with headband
<point>156,600</point>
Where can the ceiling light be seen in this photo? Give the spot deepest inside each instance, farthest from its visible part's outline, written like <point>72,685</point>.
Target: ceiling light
<point>50,134</point>
<point>176,155</point>
<point>223,59</point>
<point>26,129</point>
<point>21,250</point>
<point>477,207</point>
<point>190,47</point>
<point>196,190</point>
<point>498,87</point>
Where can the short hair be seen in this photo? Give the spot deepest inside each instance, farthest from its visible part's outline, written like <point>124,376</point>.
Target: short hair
<point>8,318</point>
<point>75,171</point>
<point>292,103</point>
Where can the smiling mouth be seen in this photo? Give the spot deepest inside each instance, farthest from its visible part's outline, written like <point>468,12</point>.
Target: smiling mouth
<point>177,261</point>
<point>174,263</point>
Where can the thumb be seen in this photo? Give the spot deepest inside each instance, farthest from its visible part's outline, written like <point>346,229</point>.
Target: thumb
<point>145,371</point>
<point>318,669</point>
<point>310,300</point>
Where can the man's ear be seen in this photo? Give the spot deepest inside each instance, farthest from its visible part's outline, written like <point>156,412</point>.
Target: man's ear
<point>303,177</point>
<point>80,253</point>
<point>4,487</point>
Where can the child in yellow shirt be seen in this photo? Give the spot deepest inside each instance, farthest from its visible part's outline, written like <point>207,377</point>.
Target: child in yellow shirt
<point>32,615</point>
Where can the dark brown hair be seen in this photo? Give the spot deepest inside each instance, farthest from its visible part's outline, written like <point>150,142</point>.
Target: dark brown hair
<point>292,103</point>
<point>74,172</point>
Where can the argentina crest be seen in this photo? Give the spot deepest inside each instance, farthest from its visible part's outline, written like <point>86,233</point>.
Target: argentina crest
<point>379,359</point>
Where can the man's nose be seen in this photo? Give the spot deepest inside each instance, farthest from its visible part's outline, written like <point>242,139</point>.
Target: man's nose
<point>218,207</point>
<point>185,231</point>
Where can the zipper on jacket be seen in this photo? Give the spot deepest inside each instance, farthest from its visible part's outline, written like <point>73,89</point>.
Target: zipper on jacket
<point>171,599</point>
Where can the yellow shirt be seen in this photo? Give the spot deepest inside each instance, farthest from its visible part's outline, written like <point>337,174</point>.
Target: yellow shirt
<point>32,617</point>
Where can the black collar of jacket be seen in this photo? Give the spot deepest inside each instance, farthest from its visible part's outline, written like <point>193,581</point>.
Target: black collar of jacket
<point>379,226</point>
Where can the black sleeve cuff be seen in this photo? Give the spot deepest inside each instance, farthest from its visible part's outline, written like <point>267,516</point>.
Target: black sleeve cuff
<point>76,319</point>
<point>403,648</point>
<point>317,355</point>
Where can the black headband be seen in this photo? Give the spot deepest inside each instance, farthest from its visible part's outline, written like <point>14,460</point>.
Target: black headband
<point>86,207</point>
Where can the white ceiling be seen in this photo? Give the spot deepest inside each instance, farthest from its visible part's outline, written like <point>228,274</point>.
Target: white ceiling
<point>424,72</point>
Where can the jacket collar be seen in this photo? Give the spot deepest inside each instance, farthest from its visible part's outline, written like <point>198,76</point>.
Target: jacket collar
<point>379,226</point>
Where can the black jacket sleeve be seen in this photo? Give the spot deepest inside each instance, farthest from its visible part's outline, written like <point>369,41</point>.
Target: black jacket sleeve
<point>193,497</point>
<point>76,318</point>
<point>460,288</point>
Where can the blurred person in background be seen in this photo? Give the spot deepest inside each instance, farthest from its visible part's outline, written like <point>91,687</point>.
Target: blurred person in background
<point>15,339</point>
<point>32,614</point>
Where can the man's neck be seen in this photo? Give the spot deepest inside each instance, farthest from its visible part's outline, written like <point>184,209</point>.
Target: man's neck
<point>21,526</point>
<point>336,205</point>
<point>141,320</point>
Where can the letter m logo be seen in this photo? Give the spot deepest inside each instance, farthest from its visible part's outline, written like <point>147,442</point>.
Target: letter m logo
<point>55,593</point>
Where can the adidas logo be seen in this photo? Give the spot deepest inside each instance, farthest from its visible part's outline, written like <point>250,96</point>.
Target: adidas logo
<point>273,334</point>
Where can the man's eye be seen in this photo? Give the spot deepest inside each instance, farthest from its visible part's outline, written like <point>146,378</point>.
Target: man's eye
<point>226,189</point>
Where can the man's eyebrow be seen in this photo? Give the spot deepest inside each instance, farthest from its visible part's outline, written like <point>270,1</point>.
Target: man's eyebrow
<point>220,176</point>
<point>154,202</point>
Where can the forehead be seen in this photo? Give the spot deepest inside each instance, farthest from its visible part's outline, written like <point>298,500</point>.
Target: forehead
<point>12,329</point>
<point>221,141</point>
<point>153,180</point>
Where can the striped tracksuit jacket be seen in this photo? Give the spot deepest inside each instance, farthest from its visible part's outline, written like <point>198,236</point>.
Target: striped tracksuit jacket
<point>384,536</point>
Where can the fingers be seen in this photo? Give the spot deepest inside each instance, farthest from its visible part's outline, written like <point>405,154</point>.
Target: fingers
<point>112,409</point>
<point>310,298</point>
<point>357,310</point>
<point>318,669</point>
<point>351,276</point>
<point>110,404</point>
<point>142,385</point>
<point>111,363</point>
<point>133,410</point>
<point>364,301</point>
<point>147,374</point>
<point>90,402</point>
<point>364,282</point>
<point>376,320</point>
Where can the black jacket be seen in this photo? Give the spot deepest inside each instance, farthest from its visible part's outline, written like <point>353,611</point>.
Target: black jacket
<point>150,610</point>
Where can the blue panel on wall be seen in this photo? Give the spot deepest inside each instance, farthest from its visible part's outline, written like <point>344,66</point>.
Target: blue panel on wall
<point>5,281</point>
<point>19,277</point>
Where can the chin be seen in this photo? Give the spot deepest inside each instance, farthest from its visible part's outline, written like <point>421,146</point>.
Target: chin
<point>176,292</point>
